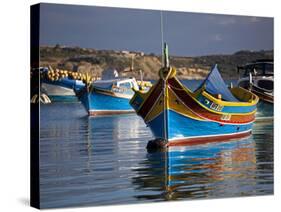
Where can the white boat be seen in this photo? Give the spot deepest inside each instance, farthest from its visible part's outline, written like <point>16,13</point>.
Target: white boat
<point>258,77</point>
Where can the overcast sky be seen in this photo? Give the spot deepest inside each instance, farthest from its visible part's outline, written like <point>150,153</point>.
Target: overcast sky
<point>187,34</point>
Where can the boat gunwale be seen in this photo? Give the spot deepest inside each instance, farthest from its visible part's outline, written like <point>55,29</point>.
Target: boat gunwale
<point>192,95</point>
<point>207,119</point>
<point>110,93</point>
<point>221,102</point>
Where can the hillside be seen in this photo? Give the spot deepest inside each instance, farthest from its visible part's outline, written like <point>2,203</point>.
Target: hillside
<point>95,61</point>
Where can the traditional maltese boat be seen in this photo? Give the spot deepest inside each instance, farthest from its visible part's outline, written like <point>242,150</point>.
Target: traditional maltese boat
<point>110,95</point>
<point>212,112</point>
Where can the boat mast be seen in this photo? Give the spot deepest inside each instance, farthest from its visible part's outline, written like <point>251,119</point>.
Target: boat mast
<point>165,68</point>
<point>165,92</point>
<point>166,57</point>
<point>162,39</point>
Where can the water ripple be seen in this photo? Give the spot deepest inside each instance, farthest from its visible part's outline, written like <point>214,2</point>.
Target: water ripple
<point>98,161</point>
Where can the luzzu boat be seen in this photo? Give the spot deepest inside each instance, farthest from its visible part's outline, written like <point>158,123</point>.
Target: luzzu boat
<point>109,96</point>
<point>212,112</point>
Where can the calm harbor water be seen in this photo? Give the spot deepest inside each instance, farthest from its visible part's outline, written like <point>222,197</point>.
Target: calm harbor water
<point>103,160</point>
<point>97,161</point>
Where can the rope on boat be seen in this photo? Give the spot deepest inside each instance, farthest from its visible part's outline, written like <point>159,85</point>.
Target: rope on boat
<point>178,89</point>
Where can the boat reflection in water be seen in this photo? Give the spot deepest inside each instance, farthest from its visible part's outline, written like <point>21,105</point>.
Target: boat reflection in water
<point>102,160</point>
<point>214,170</point>
<point>122,133</point>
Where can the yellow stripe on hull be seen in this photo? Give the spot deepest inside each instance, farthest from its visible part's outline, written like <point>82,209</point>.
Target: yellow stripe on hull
<point>143,95</point>
<point>156,109</point>
<point>178,106</point>
<point>173,103</point>
<point>220,102</point>
<point>251,102</point>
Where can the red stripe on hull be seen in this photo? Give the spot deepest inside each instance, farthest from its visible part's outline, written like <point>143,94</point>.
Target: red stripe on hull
<point>149,102</point>
<point>204,140</point>
<point>204,113</point>
<point>109,112</point>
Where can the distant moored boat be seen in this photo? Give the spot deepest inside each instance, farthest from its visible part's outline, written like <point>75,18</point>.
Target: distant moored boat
<point>110,95</point>
<point>61,89</point>
<point>258,78</point>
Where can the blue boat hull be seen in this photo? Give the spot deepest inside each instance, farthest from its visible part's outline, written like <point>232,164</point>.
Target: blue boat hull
<point>183,128</point>
<point>63,98</point>
<point>102,104</point>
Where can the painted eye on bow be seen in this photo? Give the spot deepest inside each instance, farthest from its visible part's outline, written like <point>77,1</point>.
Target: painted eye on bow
<point>207,101</point>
